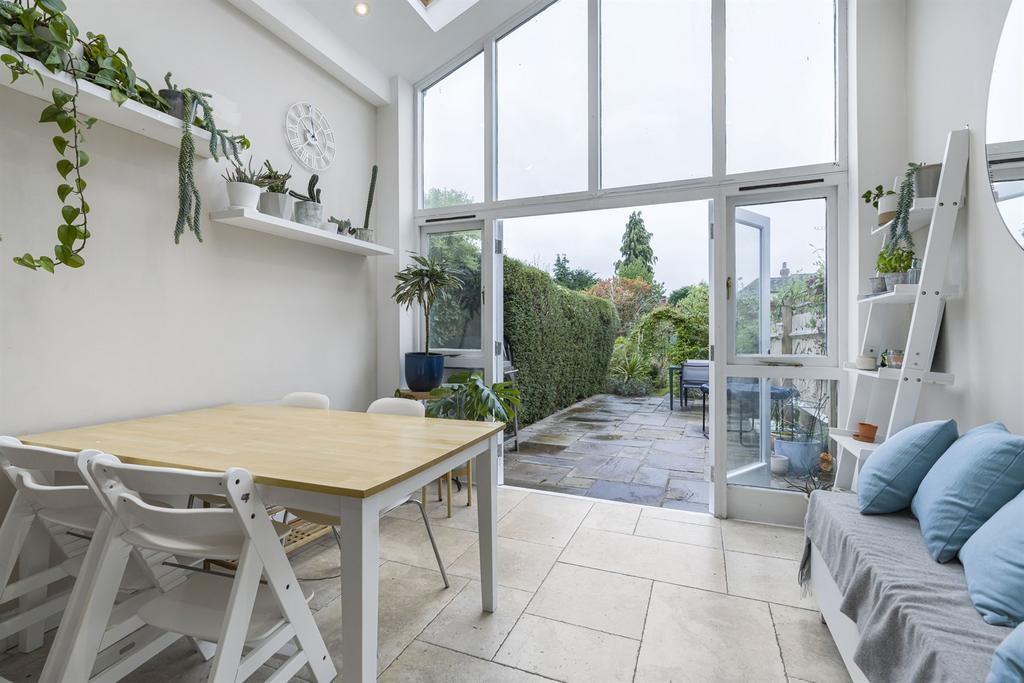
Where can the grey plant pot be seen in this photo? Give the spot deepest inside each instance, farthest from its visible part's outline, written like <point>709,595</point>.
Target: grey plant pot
<point>893,279</point>
<point>309,213</point>
<point>277,204</point>
<point>176,101</point>
<point>926,180</point>
<point>878,285</point>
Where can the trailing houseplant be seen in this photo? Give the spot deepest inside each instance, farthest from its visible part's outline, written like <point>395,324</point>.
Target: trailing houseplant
<point>308,209</point>
<point>422,282</point>
<point>244,185</point>
<point>274,201</point>
<point>899,228</point>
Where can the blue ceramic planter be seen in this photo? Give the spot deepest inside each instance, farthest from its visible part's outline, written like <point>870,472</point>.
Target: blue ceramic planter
<point>424,371</point>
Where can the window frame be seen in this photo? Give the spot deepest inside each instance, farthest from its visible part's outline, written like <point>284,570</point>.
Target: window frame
<point>595,190</point>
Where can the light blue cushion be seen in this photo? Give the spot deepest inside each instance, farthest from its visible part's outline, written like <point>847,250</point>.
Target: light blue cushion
<point>993,560</point>
<point>1008,661</point>
<point>975,477</point>
<point>890,477</point>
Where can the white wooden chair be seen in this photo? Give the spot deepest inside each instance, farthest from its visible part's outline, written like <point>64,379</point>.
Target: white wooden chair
<point>250,621</point>
<point>306,399</point>
<point>388,406</point>
<point>67,514</point>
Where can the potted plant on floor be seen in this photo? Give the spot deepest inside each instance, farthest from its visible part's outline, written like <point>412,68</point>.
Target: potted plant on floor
<point>802,435</point>
<point>274,201</point>
<point>421,282</point>
<point>244,186</point>
<point>308,209</point>
<point>465,396</point>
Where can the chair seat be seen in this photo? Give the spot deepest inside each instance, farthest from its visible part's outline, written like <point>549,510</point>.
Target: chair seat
<point>81,518</point>
<point>134,578</point>
<point>226,546</point>
<point>196,608</point>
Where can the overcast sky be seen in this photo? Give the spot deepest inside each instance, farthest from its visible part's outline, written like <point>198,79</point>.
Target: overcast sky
<point>656,122</point>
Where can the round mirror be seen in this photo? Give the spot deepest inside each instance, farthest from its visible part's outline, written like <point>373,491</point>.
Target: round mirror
<point>1005,126</point>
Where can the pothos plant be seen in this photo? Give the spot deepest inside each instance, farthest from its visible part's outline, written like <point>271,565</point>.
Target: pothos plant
<point>42,29</point>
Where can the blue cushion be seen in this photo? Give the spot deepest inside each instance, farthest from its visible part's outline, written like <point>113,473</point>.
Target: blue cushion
<point>1008,661</point>
<point>979,474</point>
<point>993,560</point>
<point>890,477</point>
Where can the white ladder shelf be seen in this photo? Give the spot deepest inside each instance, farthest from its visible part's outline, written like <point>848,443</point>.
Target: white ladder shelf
<point>907,318</point>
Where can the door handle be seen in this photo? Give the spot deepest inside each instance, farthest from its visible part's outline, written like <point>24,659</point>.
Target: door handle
<point>728,288</point>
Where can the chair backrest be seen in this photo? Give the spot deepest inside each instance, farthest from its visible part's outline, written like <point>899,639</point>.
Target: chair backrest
<point>31,470</point>
<point>306,399</point>
<point>696,371</point>
<point>397,406</point>
<point>214,533</point>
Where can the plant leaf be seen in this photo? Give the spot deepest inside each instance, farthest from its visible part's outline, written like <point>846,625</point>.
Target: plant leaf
<point>64,167</point>
<point>83,158</point>
<point>80,185</point>
<point>46,263</point>
<point>118,96</point>
<point>51,113</point>
<point>69,213</point>
<point>63,191</point>
<point>60,144</point>
<point>65,122</point>
<point>53,6</point>
<point>66,235</point>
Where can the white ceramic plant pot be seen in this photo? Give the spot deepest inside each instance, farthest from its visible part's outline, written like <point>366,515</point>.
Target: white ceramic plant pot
<point>310,213</point>
<point>780,464</point>
<point>887,208</point>
<point>275,204</point>
<point>244,195</point>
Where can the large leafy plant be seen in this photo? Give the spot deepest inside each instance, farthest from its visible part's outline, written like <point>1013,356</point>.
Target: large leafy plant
<point>466,396</point>
<point>421,282</point>
<point>42,30</point>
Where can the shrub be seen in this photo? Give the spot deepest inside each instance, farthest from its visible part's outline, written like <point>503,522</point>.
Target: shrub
<point>629,373</point>
<point>561,340</point>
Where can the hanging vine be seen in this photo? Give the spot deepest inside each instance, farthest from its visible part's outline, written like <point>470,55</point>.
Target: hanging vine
<point>899,228</point>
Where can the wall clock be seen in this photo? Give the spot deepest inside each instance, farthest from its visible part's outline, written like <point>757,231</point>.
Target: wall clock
<point>309,136</point>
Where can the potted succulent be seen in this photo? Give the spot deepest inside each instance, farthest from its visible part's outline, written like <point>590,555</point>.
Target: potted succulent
<point>274,201</point>
<point>885,201</point>
<point>244,186</point>
<point>308,209</point>
<point>421,282</point>
<point>893,266</point>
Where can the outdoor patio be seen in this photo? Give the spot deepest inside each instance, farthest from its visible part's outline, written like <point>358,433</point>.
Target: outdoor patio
<point>617,448</point>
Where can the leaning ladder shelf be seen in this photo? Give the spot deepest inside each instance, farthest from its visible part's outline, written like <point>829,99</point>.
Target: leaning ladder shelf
<point>96,101</point>
<point>907,318</point>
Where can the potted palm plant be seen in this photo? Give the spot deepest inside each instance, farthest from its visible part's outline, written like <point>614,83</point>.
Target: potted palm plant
<point>421,282</point>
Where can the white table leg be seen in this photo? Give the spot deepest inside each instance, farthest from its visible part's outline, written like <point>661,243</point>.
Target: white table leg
<point>34,558</point>
<point>360,553</point>
<point>85,620</point>
<point>487,518</point>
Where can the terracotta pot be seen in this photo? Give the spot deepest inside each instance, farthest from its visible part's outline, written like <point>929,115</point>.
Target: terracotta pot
<point>866,431</point>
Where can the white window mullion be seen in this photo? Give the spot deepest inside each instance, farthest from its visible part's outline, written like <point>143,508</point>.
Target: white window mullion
<point>594,93</point>
<point>718,140</point>
<point>490,124</point>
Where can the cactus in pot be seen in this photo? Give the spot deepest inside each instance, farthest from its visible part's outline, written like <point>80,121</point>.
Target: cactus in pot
<point>275,201</point>
<point>308,209</point>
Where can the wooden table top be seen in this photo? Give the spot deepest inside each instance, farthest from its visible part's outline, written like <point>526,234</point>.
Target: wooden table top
<point>330,451</point>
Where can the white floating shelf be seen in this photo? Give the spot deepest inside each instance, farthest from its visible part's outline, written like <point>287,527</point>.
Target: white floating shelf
<point>920,216</point>
<point>94,100</point>
<point>251,219</point>
<point>903,294</point>
<point>892,374</point>
<point>844,439</point>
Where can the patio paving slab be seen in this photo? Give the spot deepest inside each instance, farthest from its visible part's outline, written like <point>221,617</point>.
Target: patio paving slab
<point>630,449</point>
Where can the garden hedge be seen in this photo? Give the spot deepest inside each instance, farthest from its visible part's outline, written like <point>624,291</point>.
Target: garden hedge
<point>561,340</point>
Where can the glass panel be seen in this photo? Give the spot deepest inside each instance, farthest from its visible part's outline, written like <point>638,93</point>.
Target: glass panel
<point>542,104</point>
<point>780,84</point>
<point>453,138</point>
<point>780,273</point>
<point>655,91</point>
<point>777,432</point>
<point>455,318</point>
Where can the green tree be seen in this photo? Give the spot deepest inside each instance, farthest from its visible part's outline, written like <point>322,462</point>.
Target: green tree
<point>638,257</point>
<point>438,197</point>
<point>678,295</point>
<point>576,279</point>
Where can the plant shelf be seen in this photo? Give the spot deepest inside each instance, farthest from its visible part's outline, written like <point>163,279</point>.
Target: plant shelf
<point>894,374</point>
<point>251,219</point>
<point>94,100</point>
<point>844,439</point>
<point>920,216</point>
<point>903,294</point>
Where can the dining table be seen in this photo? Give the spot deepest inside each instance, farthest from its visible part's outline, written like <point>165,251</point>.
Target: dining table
<point>348,464</point>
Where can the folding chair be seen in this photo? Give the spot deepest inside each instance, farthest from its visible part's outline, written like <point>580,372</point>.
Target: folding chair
<point>250,620</point>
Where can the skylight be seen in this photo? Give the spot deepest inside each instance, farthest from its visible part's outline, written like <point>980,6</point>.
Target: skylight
<point>439,13</point>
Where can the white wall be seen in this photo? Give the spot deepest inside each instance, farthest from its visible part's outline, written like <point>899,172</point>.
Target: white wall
<point>951,45</point>
<point>147,326</point>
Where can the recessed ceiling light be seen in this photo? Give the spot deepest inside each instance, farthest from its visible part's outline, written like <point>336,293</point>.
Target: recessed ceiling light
<point>361,9</point>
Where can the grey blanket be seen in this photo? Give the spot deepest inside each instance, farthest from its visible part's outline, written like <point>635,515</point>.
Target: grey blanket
<point>915,618</point>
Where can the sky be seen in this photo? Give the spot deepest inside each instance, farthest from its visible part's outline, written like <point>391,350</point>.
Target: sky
<point>656,120</point>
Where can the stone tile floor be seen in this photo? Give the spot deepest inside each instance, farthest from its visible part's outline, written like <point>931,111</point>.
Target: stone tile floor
<point>617,448</point>
<point>589,591</point>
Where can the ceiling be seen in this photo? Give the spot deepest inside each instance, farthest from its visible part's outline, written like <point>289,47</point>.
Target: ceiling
<point>397,40</point>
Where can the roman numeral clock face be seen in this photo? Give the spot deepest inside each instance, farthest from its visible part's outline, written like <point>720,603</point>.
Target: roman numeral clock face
<point>309,136</point>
